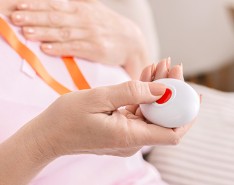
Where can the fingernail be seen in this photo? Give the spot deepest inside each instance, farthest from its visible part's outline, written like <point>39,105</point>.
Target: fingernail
<point>157,89</point>
<point>47,46</point>
<point>23,6</point>
<point>168,63</point>
<point>181,68</point>
<point>181,65</point>
<point>18,17</point>
<point>29,30</point>
<point>153,71</point>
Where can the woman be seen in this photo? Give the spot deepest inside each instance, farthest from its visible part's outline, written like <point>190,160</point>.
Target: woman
<point>83,122</point>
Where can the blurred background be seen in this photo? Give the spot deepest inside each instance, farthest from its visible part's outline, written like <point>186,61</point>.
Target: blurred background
<point>200,34</point>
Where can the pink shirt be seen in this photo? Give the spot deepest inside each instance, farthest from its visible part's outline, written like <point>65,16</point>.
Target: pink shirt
<point>23,95</point>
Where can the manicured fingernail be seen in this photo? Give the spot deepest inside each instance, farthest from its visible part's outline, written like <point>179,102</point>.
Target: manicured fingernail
<point>18,17</point>
<point>153,70</point>
<point>157,89</point>
<point>181,65</point>
<point>23,6</point>
<point>168,63</point>
<point>181,68</point>
<point>47,46</point>
<point>29,30</point>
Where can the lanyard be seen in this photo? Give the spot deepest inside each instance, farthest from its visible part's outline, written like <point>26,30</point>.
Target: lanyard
<point>24,52</point>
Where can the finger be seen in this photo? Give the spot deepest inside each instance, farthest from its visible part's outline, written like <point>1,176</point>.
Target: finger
<point>176,72</point>
<point>55,34</point>
<point>147,75</point>
<point>135,92</point>
<point>162,69</point>
<point>139,113</point>
<point>80,49</point>
<point>55,5</point>
<point>50,19</point>
<point>111,98</point>
<point>151,134</point>
<point>182,130</point>
<point>148,72</point>
<point>122,151</point>
<point>132,108</point>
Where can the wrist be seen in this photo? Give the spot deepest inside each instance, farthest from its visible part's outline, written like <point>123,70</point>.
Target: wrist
<point>38,139</point>
<point>43,136</point>
<point>22,157</point>
<point>138,56</point>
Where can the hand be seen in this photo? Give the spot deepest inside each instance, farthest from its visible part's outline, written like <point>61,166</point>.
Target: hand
<point>85,29</point>
<point>157,71</point>
<point>91,121</point>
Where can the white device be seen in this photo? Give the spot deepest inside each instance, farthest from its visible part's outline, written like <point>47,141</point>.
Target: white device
<point>178,106</point>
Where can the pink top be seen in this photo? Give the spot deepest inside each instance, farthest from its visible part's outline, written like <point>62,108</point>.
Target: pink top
<point>23,95</point>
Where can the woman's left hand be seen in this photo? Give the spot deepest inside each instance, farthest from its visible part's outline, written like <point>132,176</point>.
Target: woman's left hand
<point>85,29</point>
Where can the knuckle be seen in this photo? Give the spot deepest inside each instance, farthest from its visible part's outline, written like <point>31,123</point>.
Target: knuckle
<point>65,34</point>
<point>58,47</point>
<point>96,31</point>
<point>174,139</point>
<point>134,88</point>
<point>54,18</point>
<point>47,32</point>
<point>89,21</point>
<point>104,47</point>
<point>101,92</point>
<point>75,46</point>
<point>55,6</point>
<point>97,96</point>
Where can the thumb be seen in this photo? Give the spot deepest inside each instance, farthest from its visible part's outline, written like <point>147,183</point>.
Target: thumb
<point>133,92</point>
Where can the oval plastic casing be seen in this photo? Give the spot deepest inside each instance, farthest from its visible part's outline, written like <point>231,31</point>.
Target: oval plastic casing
<point>178,106</point>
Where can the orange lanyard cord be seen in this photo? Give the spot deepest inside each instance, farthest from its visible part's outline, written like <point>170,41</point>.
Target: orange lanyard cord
<point>30,57</point>
<point>75,73</point>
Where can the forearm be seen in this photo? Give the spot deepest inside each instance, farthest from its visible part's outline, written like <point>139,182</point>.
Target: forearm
<point>21,157</point>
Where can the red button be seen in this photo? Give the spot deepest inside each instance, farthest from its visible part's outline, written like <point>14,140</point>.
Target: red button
<point>167,95</point>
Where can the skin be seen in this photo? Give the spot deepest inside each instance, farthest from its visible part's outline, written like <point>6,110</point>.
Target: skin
<point>85,29</point>
<point>67,127</point>
<point>80,122</point>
